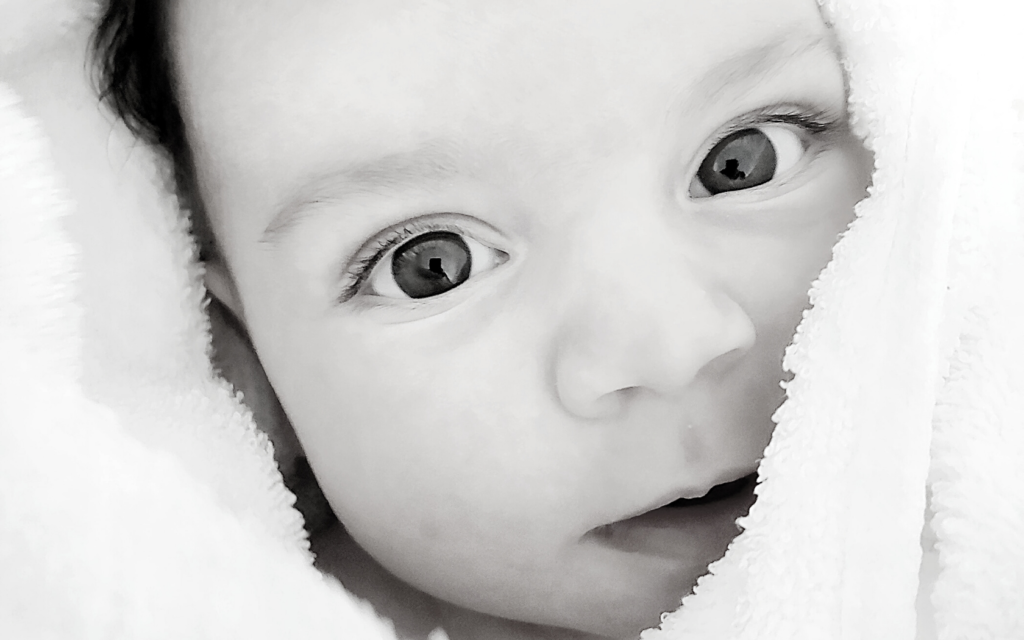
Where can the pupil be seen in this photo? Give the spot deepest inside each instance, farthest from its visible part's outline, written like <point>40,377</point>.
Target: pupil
<point>732,170</point>
<point>742,160</point>
<point>431,264</point>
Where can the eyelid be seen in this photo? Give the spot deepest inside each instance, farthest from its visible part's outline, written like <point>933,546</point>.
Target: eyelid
<point>359,269</point>
<point>817,122</point>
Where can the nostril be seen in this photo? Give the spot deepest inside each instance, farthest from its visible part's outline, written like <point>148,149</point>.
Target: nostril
<point>602,407</point>
<point>627,395</point>
<point>593,406</point>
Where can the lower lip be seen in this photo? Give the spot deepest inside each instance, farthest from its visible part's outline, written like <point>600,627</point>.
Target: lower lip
<point>680,532</point>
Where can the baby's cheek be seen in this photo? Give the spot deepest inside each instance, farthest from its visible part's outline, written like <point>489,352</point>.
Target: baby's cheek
<point>397,433</point>
<point>447,500</point>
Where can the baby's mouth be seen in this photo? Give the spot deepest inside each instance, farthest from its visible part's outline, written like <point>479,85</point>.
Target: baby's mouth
<point>683,526</point>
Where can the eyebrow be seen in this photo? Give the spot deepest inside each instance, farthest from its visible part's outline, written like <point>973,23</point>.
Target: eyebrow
<point>752,66</point>
<point>439,160</point>
<point>433,161</point>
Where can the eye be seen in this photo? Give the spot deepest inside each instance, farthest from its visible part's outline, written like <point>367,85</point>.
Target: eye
<point>746,159</point>
<point>431,264</point>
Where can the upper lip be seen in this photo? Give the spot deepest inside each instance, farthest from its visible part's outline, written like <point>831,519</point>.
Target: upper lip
<point>688,493</point>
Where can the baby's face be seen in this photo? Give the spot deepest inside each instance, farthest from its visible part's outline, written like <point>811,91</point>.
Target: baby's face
<point>521,270</point>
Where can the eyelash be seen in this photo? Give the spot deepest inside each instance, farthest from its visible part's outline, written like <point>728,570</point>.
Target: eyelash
<point>367,260</point>
<point>818,122</point>
<point>813,119</point>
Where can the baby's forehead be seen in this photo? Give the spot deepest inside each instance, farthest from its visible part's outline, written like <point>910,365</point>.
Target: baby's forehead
<point>271,86</point>
<point>395,57</point>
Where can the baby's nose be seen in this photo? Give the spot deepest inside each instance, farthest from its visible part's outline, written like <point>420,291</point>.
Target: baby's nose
<point>641,318</point>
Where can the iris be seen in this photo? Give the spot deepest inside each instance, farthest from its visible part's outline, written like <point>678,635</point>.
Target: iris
<point>431,264</point>
<point>741,160</point>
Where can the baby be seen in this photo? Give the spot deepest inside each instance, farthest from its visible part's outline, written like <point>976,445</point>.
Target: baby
<point>521,274</point>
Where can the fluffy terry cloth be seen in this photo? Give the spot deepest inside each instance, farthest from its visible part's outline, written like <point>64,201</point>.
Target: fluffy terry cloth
<point>138,500</point>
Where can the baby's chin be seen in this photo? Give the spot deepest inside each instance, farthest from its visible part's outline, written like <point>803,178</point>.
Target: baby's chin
<point>414,613</point>
<point>648,563</point>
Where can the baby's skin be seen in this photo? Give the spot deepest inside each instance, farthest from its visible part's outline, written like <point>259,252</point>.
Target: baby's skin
<point>521,275</point>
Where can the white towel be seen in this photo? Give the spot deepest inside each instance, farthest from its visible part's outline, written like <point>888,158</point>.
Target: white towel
<point>908,368</point>
<point>138,500</point>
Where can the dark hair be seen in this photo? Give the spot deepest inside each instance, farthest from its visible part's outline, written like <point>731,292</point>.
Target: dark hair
<point>136,79</point>
<point>135,68</point>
